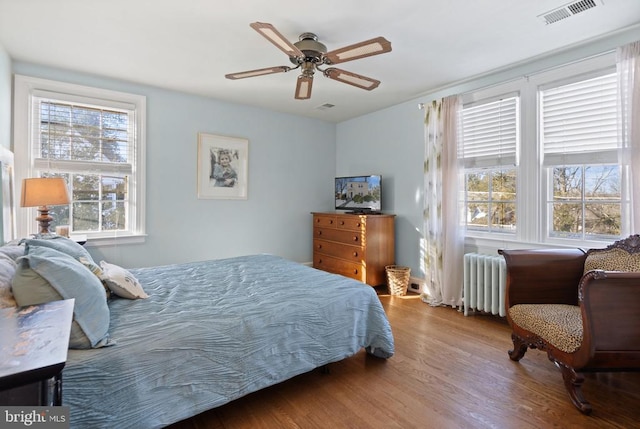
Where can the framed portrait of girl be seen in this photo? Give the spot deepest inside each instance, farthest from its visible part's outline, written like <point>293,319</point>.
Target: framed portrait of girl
<point>222,167</point>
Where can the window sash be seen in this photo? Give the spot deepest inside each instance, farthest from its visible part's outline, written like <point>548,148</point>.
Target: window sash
<point>578,121</point>
<point>490,133</point>
<point>61,129</point>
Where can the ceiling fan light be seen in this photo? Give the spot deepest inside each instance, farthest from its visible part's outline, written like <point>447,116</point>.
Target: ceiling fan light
<point>352,79</point>
<point>303,87</point>
<point>308,54</point>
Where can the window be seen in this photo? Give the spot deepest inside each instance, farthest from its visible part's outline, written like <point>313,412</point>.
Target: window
<point>92,138</point>
<point>550,171</point>
<point>585,202</point>
<point>579,141</point>
<point>491,200</point>
<point>488,150</point>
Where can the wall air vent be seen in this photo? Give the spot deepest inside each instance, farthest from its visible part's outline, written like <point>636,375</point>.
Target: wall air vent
<point>567,11</point>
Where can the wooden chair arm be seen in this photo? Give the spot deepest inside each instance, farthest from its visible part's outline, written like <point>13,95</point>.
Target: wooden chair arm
<point>610,303</point>
<point>543,276</point>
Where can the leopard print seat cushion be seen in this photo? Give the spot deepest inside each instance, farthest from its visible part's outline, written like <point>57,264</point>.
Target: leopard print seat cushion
<point>612,260</point>
<point>558,324</point>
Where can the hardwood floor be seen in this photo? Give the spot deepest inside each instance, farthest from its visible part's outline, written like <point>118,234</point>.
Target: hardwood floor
<point>449,371</point>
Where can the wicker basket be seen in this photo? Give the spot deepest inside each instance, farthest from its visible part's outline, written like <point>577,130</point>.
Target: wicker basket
<point>398,279</point>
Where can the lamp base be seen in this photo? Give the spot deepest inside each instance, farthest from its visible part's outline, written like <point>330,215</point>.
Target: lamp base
<point>44,220</point>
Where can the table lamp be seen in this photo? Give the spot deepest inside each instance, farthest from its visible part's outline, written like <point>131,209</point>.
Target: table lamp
<point>43,192</point>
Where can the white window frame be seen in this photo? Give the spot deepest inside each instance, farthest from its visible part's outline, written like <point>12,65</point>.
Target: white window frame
<point>532,183</point>
<point>25,88</point>
<point>588,158</point>
<point>507,90</point>
<point>581,69</point>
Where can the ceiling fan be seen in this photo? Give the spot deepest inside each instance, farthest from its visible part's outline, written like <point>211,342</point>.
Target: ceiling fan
<point>308,55</point>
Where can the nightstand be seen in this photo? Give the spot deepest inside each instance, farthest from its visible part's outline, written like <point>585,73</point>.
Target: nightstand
<point>33,352</point>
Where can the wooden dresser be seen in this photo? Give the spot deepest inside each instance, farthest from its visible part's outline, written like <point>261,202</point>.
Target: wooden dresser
<point>354,245</point>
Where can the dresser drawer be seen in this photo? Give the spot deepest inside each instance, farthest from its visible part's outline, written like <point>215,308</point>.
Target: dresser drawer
<point>343,236</point>
<point>339,266</point>
<point>339,250</point>
<point>352,222</point>
<point>325,221</point>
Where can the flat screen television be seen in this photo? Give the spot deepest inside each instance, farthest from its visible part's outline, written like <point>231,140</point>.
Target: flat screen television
<point>359,194</point>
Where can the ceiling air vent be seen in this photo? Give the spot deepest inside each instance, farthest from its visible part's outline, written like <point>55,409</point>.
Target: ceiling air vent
<point>567,10</point>
<point>325,106</point>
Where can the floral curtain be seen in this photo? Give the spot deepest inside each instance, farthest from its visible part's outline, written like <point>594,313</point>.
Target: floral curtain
<point>628,63</point>
<point>443,245</point>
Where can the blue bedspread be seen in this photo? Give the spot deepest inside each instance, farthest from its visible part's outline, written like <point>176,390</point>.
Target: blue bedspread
<point>214,331</point>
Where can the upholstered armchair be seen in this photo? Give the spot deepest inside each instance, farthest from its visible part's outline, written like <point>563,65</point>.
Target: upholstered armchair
<point>582,308</point>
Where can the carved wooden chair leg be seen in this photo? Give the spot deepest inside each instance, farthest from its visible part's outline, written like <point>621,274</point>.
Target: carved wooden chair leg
<point>519,348</point>
<point>573,383</point>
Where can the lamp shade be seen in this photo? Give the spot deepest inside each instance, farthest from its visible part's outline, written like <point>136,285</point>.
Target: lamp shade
<point>44,192</point>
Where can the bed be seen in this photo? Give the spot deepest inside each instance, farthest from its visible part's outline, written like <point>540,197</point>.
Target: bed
<point>214,331</point>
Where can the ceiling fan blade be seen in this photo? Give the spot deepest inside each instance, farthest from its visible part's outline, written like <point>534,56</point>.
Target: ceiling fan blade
<point>258,72</point>
<point>303,87</point>
<point>376,46</point>
<point>274,36</point>
<point>351,78</point>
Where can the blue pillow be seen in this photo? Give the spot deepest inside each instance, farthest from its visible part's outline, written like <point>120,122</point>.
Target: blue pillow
<point>59,243</point>
<point>45,274</point>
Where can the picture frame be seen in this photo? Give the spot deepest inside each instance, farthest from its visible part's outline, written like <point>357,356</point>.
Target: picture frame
<point>223,167</point>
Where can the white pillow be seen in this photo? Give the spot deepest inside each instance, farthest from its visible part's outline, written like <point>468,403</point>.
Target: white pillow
<point>121,282</point>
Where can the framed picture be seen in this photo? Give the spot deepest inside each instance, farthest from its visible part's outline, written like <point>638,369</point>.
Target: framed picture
<point>223,164</point>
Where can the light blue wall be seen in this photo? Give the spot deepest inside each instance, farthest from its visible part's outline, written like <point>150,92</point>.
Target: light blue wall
<point>391,141</point>
<point>291,171</point>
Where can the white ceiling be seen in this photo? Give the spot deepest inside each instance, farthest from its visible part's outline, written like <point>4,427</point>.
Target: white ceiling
<point>189,45</point>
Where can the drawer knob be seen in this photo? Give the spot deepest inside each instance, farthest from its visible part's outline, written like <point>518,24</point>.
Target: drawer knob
<point>355,271</point>
<point>319,246</point>
<point>355,253</point>
<point>355,238</point>
<point>331,221</point>
<point>341,222</point>
<point>319,232</point>
<point>358,224</point>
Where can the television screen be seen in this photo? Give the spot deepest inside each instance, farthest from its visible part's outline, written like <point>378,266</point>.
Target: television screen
<point>359,193</point>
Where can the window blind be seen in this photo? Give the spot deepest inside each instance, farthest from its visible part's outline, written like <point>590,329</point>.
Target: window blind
<point>490,133</point>
<point>578,121</point>
<point>76,137</point>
